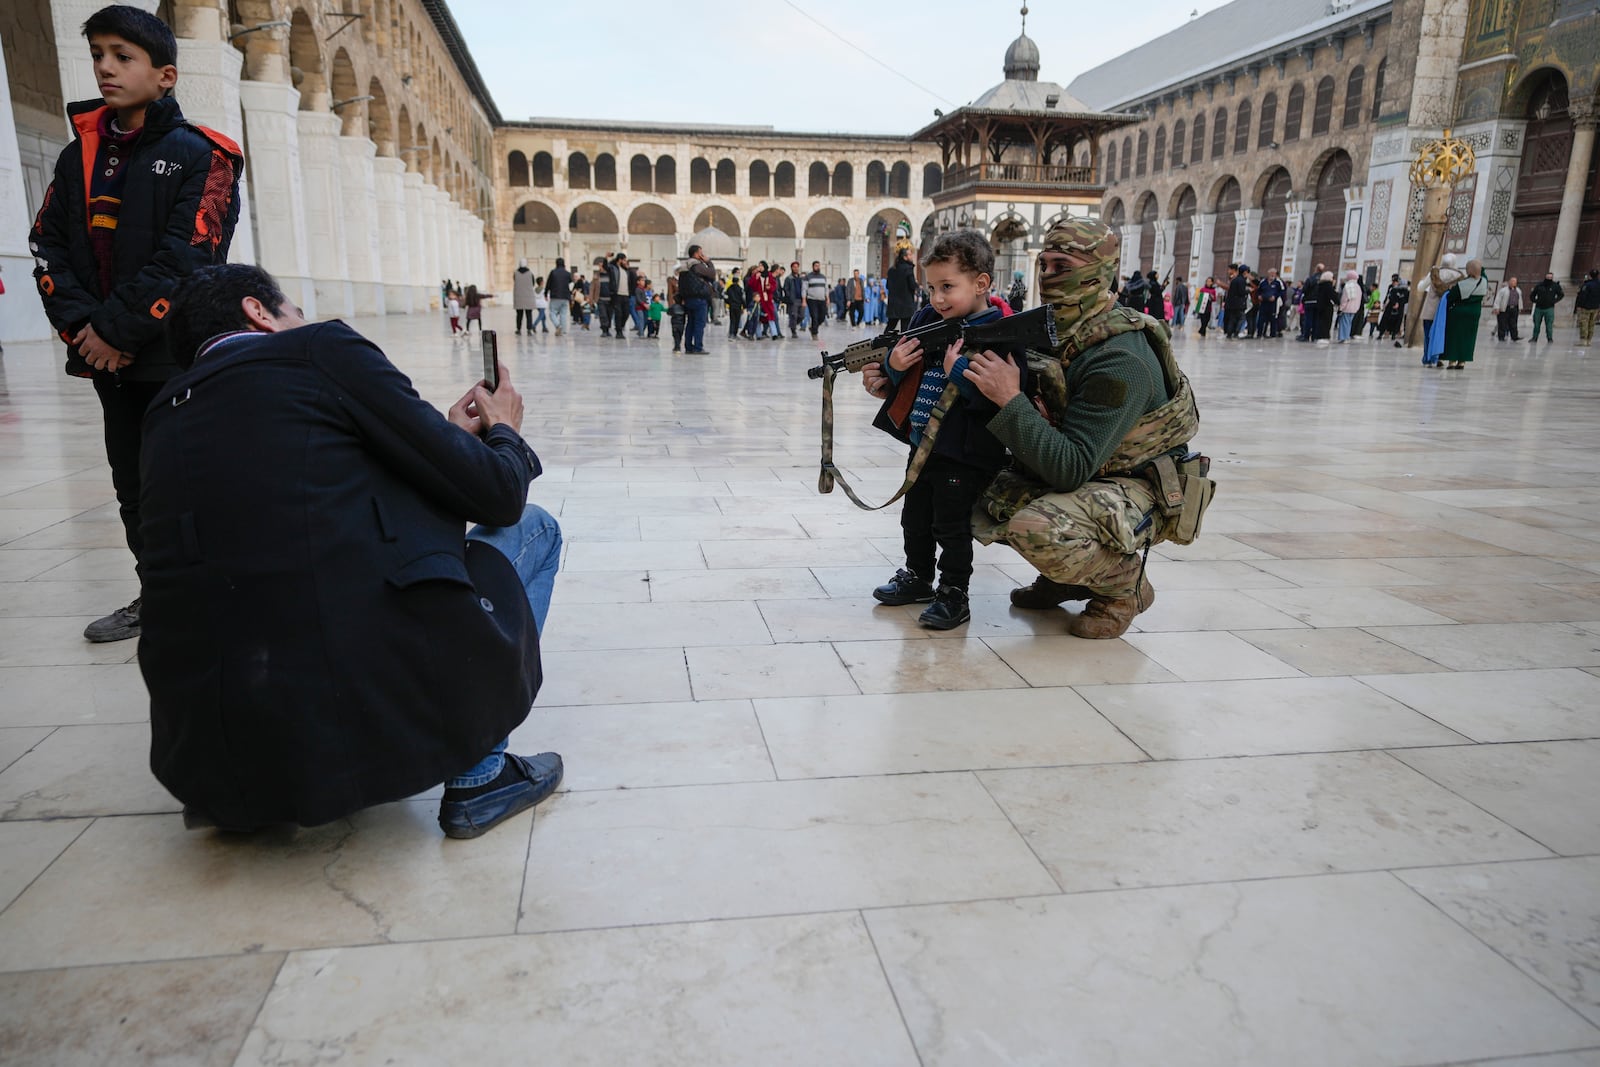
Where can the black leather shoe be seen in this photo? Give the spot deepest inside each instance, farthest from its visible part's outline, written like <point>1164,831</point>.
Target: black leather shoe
<point>903,588</point>
<point>948,610</point>
<point>528,780</point>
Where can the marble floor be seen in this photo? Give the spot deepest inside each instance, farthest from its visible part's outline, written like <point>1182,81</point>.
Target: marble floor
<point>1335,801</point>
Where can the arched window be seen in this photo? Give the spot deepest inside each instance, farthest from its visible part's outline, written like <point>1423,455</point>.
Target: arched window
<point>605,171</point>
<point>1160,155</point>
<point>640,180</point>
<point>1377,88</point>
<point>1111,164</point>
<point>1269,120</point>
<point>727,181</point>
<point>577,171</point>
<point>1293,112</point>
<point>666,175</point>
<point>1219,133</point>
<point>517,168</point>
<point>783,179</point>
<point>1355,91</point>
<point>1177,142</point>
<point>1322,113</point>
<point>844,180</point>
<point>1144,151</point>
<point>699,176</point>
<point>1127,158</point>
<point>760,179</point>
<point>900,180</point>
<point>544,170</point>
<point>877,179</point>
<point>932,179</point>
<point>1197,149</point>
<point>1241,128</point>
<point>817,180</point>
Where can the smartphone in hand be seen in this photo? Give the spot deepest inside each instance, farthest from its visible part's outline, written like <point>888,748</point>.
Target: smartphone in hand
<point>491,360</point>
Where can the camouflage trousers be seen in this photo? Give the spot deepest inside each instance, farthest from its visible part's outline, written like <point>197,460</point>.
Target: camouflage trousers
<point>1091,537</point>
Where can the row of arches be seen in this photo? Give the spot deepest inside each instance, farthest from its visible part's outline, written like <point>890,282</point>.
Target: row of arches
<point>660,176</point>
<point>1270,192</point>
<point>340,79</point>
<point>1189,139</point>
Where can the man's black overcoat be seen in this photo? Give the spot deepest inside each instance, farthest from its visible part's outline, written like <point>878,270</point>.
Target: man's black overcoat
<point>317,635</point>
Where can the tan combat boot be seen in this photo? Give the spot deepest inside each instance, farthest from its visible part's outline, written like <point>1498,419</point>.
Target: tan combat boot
<point>1105,617</point>
<point>1044,593</point>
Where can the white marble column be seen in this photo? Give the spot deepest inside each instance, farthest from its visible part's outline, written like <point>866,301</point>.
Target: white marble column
<point>358,193</point>
<point>394,261</point>
<point>1297,237</point>
<point>415,270</point>
<point>858,253</point>
<point>22,316</point>
<point>270,110</point>
<point>1164,259</point>
<point>1565,246</point>
<point>324,211</point>
<point>208,91</point>
<point>1247,237</point>
<point>429,270</point>
<point>1200,249</point>
<point>1129,261</point>
<point>443,255</point>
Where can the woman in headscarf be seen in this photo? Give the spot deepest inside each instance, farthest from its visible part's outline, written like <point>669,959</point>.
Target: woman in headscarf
<point>1327,297</point>
<point>1018,295</point>
<point>1350,298</point>
<point>1461,328</point>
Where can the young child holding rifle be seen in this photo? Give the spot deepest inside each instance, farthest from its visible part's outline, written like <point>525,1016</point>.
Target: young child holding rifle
<point>937,512</point>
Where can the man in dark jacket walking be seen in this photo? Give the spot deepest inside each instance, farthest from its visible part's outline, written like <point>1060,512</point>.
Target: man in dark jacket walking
<point>318,637</point>
<point>816,297</point>
<point>558,287</point>
<point>1237,302</point>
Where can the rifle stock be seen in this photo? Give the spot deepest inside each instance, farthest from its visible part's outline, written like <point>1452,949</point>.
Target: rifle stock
<point>1028,329</point>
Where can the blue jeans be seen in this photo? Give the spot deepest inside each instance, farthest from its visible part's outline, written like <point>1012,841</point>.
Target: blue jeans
<point>638,319</point>
<point>1345,319</point>
<point>694,337</point>
<point>558,313</point>
<point>534,548</point>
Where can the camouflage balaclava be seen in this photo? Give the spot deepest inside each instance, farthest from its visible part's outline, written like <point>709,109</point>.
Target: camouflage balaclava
<point>1082,292</point>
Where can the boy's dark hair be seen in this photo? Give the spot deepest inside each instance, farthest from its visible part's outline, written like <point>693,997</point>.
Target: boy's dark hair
<point>135,27</point>
<point>208,303</point>
<point>967,249</point>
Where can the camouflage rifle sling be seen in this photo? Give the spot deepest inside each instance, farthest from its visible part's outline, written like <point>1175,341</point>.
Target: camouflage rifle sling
<point>830,473</point>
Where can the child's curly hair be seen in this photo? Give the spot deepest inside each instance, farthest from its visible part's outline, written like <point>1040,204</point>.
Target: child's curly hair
<point>969,250</point>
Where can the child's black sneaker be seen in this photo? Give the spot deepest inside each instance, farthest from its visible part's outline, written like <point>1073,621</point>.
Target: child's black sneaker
<point>904,588</point>
<point>948,610</point>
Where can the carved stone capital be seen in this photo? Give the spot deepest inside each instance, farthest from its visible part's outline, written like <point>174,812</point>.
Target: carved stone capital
<point>1583,112</point>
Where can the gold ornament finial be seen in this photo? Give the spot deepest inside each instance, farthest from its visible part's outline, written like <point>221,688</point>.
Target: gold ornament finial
<point>1443,162</point>
<point>1024,20</point>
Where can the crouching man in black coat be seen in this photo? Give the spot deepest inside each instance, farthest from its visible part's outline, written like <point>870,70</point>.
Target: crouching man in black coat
<point>320,632</point>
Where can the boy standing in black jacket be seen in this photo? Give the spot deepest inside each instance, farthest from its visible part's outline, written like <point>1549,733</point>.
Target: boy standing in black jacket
<point>140,199</point>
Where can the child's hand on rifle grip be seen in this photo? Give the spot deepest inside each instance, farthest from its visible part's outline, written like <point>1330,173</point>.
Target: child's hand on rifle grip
<point>906,354</point>
<point>952,354</point>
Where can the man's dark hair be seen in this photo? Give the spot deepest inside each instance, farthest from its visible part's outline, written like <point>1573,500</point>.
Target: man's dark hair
<point>136,27</point>
<point>209,302</point>
<point>561,263</point>
<point>692,250</point>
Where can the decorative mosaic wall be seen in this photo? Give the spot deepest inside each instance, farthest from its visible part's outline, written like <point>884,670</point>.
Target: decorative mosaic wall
<point>1378,226</point>
<point>1459,218</point>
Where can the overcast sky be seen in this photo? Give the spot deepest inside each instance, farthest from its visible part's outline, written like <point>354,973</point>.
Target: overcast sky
<point>766,63</point>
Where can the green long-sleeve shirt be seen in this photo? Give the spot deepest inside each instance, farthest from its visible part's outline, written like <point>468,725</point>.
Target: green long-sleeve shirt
<point>1109,386</point>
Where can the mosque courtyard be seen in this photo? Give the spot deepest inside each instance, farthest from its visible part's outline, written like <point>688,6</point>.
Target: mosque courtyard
<point>1334,801</point>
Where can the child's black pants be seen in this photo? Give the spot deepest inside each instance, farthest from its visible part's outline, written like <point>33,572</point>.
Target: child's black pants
<point>937,515</point>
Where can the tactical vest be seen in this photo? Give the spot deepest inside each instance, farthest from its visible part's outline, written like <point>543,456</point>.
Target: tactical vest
<point>1183,492</point>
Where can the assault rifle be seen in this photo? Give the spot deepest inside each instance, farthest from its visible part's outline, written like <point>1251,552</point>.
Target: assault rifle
<point>1034,329</point>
